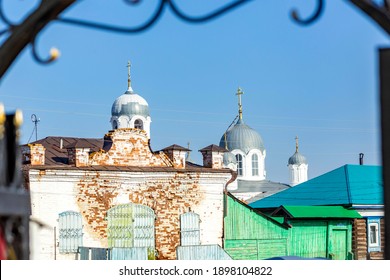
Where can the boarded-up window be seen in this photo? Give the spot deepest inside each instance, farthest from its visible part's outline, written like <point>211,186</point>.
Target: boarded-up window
<point>130,225</point>
<point>190,229</point>
<point>70,231</point>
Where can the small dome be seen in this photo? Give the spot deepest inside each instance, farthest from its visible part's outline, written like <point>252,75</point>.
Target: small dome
<point>297,159</point>
<point>130,104</point>
<point>242,137</point>
<point>229,158</point>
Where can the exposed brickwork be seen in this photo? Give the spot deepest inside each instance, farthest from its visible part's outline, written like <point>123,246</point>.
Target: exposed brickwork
<point>360,242</point>
<point>128,147</point>
<point>213,159</point>
<point>359,239</point>
<point>168,197</point>
<point>78,156</point>
<point>35,154</point>
<point>177,158</point>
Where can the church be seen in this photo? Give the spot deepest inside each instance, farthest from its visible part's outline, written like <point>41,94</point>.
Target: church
<point>246,155</point>
<point>116,198</point>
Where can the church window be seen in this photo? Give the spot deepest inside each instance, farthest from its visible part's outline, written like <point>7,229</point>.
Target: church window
<point>139,124</point>
<point>239,164</point>
<point>130,225</point>
<point>115,124</point>
<point>70,231</point>
<point>255,165</point>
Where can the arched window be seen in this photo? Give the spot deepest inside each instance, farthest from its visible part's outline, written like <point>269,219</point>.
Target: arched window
<point>130,225</point>
<point>255,165</point>
<point>239,164</point>
<point>115,125</point>
<point>138,124</point>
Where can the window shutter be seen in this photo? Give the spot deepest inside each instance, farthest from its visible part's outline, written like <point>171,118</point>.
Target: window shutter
<point>190,229</point>
<point>70,232</point>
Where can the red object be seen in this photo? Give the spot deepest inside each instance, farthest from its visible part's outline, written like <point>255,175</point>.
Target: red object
<point>3,246</point>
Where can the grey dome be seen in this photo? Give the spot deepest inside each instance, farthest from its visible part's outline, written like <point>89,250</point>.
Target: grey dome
<point>229,158</point>
<point>130,104</point>
<point>297,159</point>
<point>242,137</point>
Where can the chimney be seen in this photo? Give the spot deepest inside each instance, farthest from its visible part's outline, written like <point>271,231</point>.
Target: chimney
<point>213,156</point>
<point>78,153</point>
<point>177,154</point>
<point>34,154</point>
<point>361,155</point>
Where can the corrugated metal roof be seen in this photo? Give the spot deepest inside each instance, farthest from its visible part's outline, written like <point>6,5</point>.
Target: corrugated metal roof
<point>263,187</point>
<point>57,155</point>
<point>317,212</point>
<point>346,185</point>
<point>57,158</point>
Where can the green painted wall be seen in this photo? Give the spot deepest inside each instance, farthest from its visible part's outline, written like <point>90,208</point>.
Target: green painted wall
<point>308,239</point>
<point>250,236</point>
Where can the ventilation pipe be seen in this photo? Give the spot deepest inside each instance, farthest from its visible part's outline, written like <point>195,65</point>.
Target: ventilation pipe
<point>361,155</point>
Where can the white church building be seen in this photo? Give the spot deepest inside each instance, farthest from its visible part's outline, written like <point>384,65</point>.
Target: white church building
<point>246,155</point>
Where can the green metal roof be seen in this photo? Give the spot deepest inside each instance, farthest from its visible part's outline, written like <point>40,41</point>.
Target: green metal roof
<point>318,212</point>
<point>346,185</point>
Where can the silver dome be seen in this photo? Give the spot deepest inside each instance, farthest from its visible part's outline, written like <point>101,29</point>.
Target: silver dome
<point>297,159</point>
<point>130,104</point>
<point>242,137</point>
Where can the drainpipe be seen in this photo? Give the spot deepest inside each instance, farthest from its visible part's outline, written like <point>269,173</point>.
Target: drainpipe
<point>234,177</point>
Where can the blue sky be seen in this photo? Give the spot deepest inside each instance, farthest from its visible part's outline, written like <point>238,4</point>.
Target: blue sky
<point>319,82</point>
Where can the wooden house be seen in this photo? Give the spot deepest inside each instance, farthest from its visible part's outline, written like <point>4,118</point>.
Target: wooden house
<point>354,187</point>
<point>304,231</point>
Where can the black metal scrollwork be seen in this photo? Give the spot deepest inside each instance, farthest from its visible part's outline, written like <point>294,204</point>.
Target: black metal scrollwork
<point>317,13</point>
<point>121,29</point>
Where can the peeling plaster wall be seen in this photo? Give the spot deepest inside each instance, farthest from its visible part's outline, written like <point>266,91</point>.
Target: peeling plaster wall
<point>92,193</point>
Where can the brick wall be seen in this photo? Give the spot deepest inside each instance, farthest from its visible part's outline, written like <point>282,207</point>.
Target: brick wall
<point>168,197</point>
<point>128,147</point>
<point>360,243</point>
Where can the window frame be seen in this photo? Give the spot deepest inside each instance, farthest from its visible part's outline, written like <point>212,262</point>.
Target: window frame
<point>373,246</point>
<point>240,164</point>
<point>255,164</point>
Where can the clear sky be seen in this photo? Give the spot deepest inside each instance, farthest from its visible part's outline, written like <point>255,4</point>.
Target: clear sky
<point>318,82</point>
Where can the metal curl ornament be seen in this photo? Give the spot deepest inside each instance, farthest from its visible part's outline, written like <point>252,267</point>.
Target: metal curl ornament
<point>155,17</point>
<point>4,18</point>
<point>317,13</point>
<point>207,17</point>
<point>54,54</point>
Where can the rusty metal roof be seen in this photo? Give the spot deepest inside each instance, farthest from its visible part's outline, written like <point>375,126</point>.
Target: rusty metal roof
<point>57,157</point>
<point>57,154</point>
